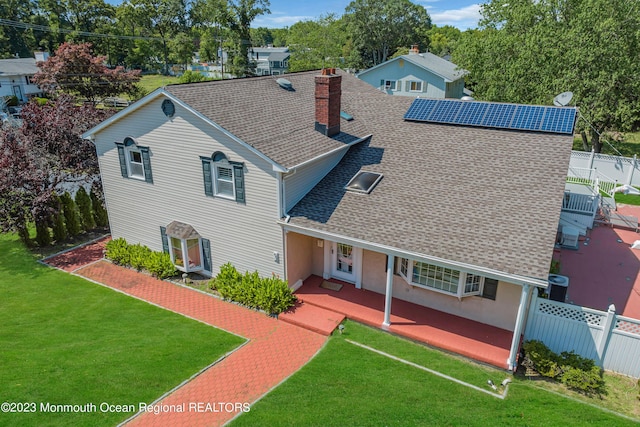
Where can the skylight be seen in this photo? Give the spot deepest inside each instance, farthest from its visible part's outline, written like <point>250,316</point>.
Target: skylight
<point>363,182</point>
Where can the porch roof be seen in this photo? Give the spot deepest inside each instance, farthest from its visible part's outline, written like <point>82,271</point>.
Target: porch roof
<point>487,198</point>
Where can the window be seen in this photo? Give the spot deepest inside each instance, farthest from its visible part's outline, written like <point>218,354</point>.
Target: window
<point>28,80</point>
<point>446,280</point>
<point>388,84</point>
<point>224,181</point>
<point>415,86</point>
<point>188,251</point>
<point>135,161</point>
<point>223,178</point>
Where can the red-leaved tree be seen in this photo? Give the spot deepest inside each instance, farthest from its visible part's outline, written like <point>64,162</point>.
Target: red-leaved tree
<point>44,153</point>
<point>74,69</point>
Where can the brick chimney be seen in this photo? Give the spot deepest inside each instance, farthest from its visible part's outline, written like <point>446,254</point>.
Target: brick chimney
<point>414,50</point>
<point>328,91</point>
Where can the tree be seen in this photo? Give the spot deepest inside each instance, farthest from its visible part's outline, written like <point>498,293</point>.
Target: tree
<point>241,15</point>
<point>442,40</point>
<point>20,183</point>
<point>45,152</point>
<point>71,215</point>
<point>57,222</point>
<point>528,51</point>
<point>316,44</point>
<point>83,201</point>
<point>182,49</point>
<point>99,212</point>
<point>379,27</point>
<point>74,69</point>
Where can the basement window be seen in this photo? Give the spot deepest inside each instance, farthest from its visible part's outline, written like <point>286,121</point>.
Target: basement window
<point>364,182</point>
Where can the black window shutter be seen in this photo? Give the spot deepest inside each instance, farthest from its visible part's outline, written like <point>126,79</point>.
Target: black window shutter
<point>165,240</point>
<point>490,289</point>
<point>238,176</point>
<point>146,164</point>
<point>123,159</point>
<point>206,252</point>
<point>206,176</point>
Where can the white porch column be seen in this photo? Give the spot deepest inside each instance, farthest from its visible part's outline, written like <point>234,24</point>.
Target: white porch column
<point>517,330</point>
<point>388,292</point>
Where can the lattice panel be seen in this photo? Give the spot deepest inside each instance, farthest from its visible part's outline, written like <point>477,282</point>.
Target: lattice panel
<point>571,313</point>
<point>629,327</point>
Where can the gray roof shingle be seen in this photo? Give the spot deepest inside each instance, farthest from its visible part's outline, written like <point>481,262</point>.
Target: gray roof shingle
<point>277,122</point>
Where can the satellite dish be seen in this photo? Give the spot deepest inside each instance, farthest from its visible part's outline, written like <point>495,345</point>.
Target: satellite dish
<point>563,99</point>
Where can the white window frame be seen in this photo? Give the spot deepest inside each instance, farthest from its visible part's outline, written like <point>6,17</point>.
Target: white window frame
<point>417,83</point>
<point>129,151</point>
<point>216,186</point>
<point>391,85</point>
<point>405,270</point>
<point>186,267</point>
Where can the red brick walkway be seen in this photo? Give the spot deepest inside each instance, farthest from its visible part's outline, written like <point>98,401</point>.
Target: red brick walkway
<point>80,256</point>
<point>274,350</point>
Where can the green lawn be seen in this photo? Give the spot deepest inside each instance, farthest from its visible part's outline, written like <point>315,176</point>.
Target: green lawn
<point>65,340</point>
<point>348,385</point>
<point>629,146</point>
<point>152,82</point>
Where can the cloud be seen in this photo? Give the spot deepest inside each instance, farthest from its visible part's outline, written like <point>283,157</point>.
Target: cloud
<point>279,21</point>
<point>463,18</point>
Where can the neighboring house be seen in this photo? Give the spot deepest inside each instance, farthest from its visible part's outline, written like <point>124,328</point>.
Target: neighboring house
<point>270,60</point>
<point>16,75</point>
<point>417,74</point>
<point>462,219</point>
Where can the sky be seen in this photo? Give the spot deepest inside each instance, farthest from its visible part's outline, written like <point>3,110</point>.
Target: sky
<point>463,14</point>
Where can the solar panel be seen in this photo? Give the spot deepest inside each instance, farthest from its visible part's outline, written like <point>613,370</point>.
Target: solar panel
<point>472,113</point>
<point>494,115</point>
<point>528,117</point>
<point>499,115</point>
<point>420,109</point>
<point>445,111</point>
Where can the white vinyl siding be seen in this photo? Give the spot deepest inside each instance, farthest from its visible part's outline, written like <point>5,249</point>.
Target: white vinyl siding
<point>245,234</point>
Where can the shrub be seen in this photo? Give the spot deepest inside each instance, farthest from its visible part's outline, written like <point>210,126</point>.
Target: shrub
<point>191,77</point>
<point>585,381</point>
<point>40,101</point>
<point>269,294</point>
<point>43,235</point>
<point>71,216</point>
<point>58,227</point>
<point>159,265</point>
<point>574,371</point>
<point>83,201</point>
<point>138,255</point>
<point>99,212</point>
<point>545,361</point>
<point>118,251</point>
<point>11,101</point>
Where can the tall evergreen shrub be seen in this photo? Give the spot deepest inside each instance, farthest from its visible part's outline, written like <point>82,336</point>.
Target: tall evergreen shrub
<point>99,212</point>
<point>71,215</point>
<point>83,201</point>
<point>57,222</point>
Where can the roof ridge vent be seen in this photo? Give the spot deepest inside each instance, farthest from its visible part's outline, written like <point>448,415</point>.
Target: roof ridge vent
<point>284,83</point>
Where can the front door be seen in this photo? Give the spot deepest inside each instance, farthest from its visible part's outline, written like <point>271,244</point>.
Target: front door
<point>17,91</point>
<point>343,262</point>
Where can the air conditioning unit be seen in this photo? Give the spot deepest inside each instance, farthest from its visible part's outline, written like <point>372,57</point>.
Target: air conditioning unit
<point>558,286</point>
<point>570,237</point>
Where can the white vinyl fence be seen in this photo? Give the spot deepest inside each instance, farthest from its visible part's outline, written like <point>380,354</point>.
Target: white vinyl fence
<point>623,170</point>
<point>611,340</point>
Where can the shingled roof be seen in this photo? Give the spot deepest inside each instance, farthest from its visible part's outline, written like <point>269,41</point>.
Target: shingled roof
<point>275,121</point>
<point>484,197</point>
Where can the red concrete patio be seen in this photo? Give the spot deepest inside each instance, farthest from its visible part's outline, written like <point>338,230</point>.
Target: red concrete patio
<point>474,340</point>
<point>605,271</point>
